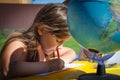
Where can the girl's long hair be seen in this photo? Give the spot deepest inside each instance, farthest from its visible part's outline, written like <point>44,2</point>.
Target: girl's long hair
<point>51,15</point>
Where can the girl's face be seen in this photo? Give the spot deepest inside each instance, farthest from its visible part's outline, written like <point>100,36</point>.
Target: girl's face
<point>49,42</point>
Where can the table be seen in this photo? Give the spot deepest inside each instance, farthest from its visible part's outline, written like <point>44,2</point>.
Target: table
<point>73,73</point>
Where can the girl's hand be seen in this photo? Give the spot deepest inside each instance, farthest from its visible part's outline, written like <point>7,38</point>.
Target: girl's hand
<point>55,64</point>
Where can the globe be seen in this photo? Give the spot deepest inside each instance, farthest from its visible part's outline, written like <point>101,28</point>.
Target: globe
<point>95,24</point>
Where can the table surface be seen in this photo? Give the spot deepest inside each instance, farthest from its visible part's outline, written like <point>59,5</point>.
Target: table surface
<point>73,73</point>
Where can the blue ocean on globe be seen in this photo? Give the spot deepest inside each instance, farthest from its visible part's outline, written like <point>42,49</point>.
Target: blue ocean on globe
<point>95,24</point>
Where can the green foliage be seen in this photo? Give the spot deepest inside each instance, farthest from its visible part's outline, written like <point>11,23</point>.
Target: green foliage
<point>73,44</point>
<point>2,40</point>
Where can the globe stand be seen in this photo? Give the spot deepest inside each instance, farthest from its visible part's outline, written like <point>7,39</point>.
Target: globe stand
<point>99,75</point>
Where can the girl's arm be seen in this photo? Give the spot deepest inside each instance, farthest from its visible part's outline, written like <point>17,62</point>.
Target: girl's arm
<point>32,68</point>
<point>13,62</point>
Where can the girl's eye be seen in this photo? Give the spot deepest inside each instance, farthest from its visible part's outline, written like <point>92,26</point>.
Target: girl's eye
<point>59,41</point>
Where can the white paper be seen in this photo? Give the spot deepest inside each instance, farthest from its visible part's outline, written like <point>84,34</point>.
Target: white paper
<point>67,66</point>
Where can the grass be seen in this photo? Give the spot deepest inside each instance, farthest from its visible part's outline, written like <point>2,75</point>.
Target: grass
<point>2,40</point>
<point>73,44</point>
<point>70,43</point>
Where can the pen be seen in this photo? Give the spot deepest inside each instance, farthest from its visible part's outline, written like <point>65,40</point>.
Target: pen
<point>58,54</point>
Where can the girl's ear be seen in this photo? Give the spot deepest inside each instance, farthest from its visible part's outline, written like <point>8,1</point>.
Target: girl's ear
<point>41,29</point>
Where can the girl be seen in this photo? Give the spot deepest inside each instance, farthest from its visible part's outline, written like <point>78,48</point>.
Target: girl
<point>34,51</point>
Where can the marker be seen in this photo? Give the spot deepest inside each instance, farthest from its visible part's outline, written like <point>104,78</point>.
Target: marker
<point>58,54</point>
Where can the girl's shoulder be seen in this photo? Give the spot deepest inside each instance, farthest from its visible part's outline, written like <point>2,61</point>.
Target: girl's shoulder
<point>14,41</point>
<point>15,45</point>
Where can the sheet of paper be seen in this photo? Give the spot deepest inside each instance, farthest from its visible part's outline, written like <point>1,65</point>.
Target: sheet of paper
<point>67,66</point>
